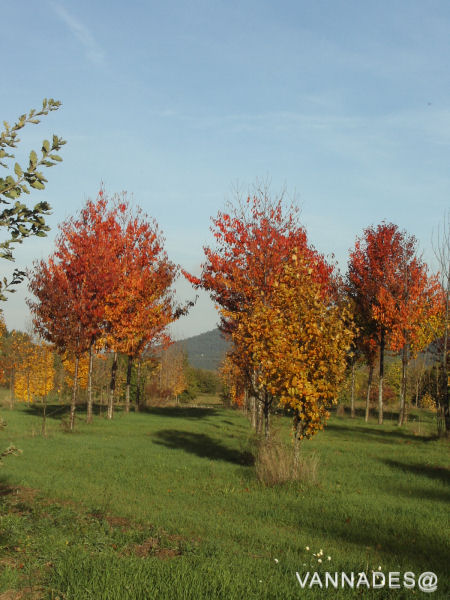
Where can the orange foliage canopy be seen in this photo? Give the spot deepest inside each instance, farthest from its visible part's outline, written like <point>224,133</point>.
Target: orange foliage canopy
<point>277,298</point>
<point>139,309</point>
<point>297,344</point>
<point>391,288</point>
<point>72,287</point>
<point>108,279</point>
<point>253,241</point>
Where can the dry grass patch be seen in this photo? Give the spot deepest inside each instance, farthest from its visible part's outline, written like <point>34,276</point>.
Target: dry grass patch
<point>275,464</point>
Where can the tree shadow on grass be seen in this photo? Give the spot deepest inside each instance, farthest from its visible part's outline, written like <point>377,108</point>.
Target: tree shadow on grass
<point>419,550</point>
<point>380,434</point>
<point>438,473</point>
<point>421,494</point>
<point>181,412</point>
<point>202,445</point>
<point>54,411</point>
<point>389,413</point>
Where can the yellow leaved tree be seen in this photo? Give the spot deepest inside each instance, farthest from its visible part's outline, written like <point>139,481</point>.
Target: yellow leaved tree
<point>35,372</point>
<point>296,345</point>
<point>68,361</point>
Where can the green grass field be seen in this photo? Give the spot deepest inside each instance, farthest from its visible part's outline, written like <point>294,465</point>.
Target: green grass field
<point>166,504</point>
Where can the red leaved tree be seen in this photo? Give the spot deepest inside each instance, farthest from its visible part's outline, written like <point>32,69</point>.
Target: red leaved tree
<point>254,239</point>
<point>415,308</point>
<point>108,282</point>
<point>392,295</point>
<point>72,287</point>
<point>138,311</point>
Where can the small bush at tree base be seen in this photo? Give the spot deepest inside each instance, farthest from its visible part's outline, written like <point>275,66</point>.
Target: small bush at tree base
<point>275,464</point>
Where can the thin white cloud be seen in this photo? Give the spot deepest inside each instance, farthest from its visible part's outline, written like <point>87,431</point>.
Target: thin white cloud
<point>94,53</point>
<point>383,133</point>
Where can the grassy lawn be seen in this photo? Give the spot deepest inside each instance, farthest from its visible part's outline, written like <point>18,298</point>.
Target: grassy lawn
<point>165,504</point>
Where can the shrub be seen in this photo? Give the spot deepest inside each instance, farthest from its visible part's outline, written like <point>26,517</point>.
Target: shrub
<point>427,401</point>
<point>275,464</point>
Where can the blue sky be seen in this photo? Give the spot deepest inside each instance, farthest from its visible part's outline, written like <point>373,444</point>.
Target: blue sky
<point>346,104</point>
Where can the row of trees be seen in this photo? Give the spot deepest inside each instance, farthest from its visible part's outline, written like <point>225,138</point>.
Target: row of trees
<point>297,325</point>
<point>396,302</point>
<point>280,304</point>
<point>35,372</point>
<point>423,389</point>
<point>106,288</point>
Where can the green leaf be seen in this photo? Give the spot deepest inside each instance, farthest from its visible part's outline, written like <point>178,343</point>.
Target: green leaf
<point>40,176</point>
<point>33,158</point>
<point>55,157</point>
<point>17,170</point>
<point>37,185</point>
<point>46,146</point>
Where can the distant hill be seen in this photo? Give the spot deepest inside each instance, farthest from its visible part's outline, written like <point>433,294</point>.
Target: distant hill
<point>205,351</point>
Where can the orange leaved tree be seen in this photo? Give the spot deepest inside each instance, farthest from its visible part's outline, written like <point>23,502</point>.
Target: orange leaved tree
<point>254,239</point>
<point>393,295</point>
<point>72,286</point>
<point>416,306</point>
<point>373,278</point>
<point>139,309</point>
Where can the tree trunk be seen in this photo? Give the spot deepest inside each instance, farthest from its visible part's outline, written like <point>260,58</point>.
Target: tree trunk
<point>112,388</point>
<point>298,433</point>
<point>245,403</point>
<point>402,411</point>
<point>44,416</point>
<point>380,385</point>
<point>138,387</point>
<point>266,409</point>
<point>89,403</point>
<point>369,386</point>
<point>127,392</point>
<point>74,397</point>
<point>352,400</point>
<point>253,415</point>
<point>259,417</point>
<point>445,394</point>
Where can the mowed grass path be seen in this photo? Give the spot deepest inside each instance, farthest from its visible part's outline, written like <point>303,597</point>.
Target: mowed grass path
<point>165,504</point>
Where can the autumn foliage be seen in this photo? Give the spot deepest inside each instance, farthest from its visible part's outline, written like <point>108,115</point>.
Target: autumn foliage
<point>107,285</point>
<point>276,296</point>
<point>253,240</point>
<point>295,325</point>
<point>296,345</point>
<point>35,379</point>
<point>395,299</point>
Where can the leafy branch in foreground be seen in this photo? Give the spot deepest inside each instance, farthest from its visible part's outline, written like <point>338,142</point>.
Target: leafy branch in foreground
<point>19,220</point>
